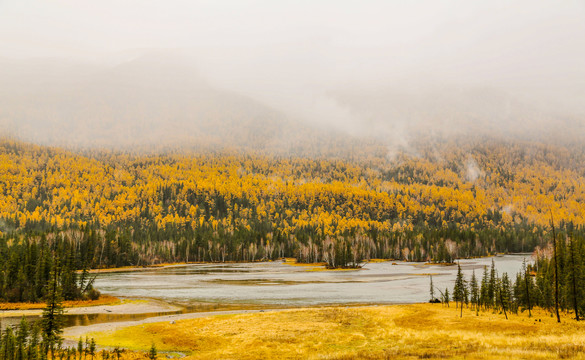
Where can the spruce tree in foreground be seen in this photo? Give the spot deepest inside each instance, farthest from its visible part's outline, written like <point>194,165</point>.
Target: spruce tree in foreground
<point>527,283</point>
<point>92,348</point>
<point>459,291</point>
<point>483,292</point>
<point>474,289</point>
<point>556,262</point>
<point>118,352</point>
<point>152,355</point>
<point>52,323</point>
<point>573,275</point>
<point>504,293</point>
<point>21,339</point>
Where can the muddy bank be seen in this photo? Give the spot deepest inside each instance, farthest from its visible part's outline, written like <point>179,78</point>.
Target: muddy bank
<point>126,307</point>
<point>136,268</point>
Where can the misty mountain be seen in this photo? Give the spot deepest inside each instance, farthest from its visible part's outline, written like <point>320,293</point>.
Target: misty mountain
<point>448,111</point>
<point>150,101</point>
<point>161,101</point>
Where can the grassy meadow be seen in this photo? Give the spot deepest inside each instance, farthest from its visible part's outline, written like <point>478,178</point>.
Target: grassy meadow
<point>418,331</point>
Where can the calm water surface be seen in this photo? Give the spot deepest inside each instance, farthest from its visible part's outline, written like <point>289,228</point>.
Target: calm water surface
<point>208,287</point>
<point>276,283</point>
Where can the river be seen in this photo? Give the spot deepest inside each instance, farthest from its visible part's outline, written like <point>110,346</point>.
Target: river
<point>277,283</point>
<point>204,287</point>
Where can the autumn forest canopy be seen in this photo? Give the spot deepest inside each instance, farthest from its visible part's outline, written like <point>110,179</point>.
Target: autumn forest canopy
<point>451,199</point>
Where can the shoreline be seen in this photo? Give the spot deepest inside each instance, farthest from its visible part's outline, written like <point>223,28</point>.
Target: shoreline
<point>123,307</point>
<point>68,304</point>
<point>285,261</point>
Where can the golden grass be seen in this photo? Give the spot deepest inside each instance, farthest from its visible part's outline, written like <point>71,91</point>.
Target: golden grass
<point>164,265</point>
<point>320,266</point>
<point>134,268</point>
<point>334,269</point>
<point>293,262</point>
<point>103,300</point>
<point>419,331</point>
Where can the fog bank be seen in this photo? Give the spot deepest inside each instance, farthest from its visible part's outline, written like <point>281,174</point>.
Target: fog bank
<point>266,74</point>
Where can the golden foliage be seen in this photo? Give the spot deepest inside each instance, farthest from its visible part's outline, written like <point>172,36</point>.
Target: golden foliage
<point>521,182</point>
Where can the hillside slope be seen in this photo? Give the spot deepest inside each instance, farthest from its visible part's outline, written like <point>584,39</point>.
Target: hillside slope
<point>457,199</point>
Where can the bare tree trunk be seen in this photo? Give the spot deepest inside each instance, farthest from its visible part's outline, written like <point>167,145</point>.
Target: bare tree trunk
<point>503,305</point>
<point>574,279</point>
<point>461,313</point>
<point>527,291</point>
<point>556,267</point>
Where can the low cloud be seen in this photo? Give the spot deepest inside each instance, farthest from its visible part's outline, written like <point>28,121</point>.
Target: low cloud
<point>386,70</point>
<point>472,170</point>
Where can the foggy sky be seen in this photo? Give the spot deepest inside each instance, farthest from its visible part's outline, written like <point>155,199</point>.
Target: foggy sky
<point>312,59</point>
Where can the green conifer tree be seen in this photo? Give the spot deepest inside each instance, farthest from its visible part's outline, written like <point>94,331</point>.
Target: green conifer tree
<point>52,323</point>
<point>474,290</point>
<point>459,289</point>
<point>152,354</point>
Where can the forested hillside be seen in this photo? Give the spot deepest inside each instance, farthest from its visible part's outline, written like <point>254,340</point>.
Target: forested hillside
<point>446,200</point>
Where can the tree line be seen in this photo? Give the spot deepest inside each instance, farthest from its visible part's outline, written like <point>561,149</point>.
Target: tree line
<point>43,340</point>
<point>555,281</point>
<point>31,255</point>
<point>452,200</point>
<point>27,265</point>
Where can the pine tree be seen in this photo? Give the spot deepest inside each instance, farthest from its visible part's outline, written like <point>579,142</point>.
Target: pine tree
<point>504,293</point>
<point>118,351</point>
<point>573,275</point>
<point>8,344</point>
<point>556,271</point>
<point>492,284</point>
<point>152,355</point>
<point>52,323</point>
<point>92,348</point>
<point>474,289</point>
<point>80,347</point>
<point>484,291</point>
<point>459,290</point>
<point>527,285</point>
<point>21,339</point>
<point>33,348</point>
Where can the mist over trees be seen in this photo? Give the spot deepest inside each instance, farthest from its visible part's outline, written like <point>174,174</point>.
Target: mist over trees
<point>160,101</point>
<point>118,209</point>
